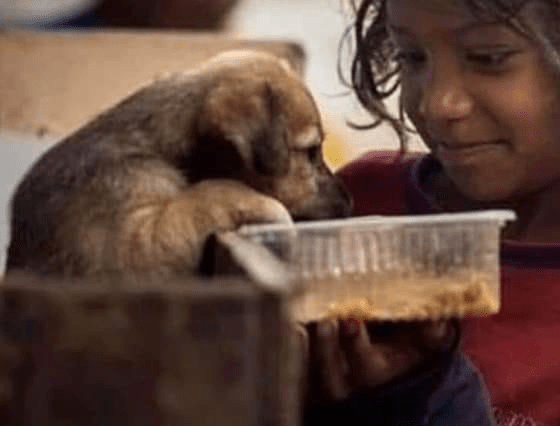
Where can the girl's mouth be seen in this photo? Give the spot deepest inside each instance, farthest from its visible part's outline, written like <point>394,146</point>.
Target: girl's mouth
<point>469,152</point>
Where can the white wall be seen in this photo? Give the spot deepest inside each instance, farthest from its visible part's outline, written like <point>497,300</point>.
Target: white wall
<point>17,153</point>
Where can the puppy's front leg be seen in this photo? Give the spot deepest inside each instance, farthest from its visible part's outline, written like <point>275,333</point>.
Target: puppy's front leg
<point>171,233</point>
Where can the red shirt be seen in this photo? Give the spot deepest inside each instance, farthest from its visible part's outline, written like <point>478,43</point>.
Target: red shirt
<point>517,350</point>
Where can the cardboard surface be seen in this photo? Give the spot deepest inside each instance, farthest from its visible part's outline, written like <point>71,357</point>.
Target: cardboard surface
<point>51,82</point>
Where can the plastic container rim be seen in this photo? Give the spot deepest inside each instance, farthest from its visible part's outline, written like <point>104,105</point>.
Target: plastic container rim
<point>499,216</point>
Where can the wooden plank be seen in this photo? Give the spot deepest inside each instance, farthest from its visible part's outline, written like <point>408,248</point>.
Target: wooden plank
<point>145,350</point>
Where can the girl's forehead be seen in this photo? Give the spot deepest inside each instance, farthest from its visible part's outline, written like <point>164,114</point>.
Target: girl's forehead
<point>440,18</point>
<point>453,12</point>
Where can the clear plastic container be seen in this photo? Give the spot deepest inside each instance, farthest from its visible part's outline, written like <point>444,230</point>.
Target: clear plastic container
<point>392,267</point>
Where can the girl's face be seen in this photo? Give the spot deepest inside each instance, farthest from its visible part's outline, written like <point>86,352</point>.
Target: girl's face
<point>481,97</point>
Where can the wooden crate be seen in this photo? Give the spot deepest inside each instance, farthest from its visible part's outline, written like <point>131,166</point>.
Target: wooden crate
<point>145,351</point>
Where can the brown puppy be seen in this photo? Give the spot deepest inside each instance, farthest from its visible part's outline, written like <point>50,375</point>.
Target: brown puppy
<point>143,185</point>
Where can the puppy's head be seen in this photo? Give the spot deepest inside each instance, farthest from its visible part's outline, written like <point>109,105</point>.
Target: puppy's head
<point>259,124</point>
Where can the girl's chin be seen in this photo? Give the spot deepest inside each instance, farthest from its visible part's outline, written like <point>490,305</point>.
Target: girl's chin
<point>482,191</point>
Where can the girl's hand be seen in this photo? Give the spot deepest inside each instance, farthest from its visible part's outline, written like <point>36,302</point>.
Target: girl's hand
<point>344,356</point>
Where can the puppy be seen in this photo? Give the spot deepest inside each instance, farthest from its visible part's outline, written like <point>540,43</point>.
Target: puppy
<point>143,185</point>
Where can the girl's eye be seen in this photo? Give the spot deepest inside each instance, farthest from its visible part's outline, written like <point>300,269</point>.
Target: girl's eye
<point>492,59</point>
<point>410,58</point>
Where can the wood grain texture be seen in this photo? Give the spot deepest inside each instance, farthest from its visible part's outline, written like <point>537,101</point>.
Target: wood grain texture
<point>75,353</point>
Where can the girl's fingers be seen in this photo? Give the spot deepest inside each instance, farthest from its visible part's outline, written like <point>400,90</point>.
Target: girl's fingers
<point>438,335</point>
<point>374,363</point>
<point>347,358</point>
<point>368,362</point>
<point>334,368</point>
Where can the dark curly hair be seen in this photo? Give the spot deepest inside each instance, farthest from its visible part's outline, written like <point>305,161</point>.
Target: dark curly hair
<point>374,71</point>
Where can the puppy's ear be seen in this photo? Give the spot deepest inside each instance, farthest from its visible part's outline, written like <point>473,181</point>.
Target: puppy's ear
<point>252,121</point>
<point>270,145</point>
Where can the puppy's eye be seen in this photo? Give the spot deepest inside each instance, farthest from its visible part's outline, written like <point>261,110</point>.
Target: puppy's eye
<point>314,154</point>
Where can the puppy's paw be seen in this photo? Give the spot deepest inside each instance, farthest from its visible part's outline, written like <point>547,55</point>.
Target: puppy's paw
<point>224,205</point>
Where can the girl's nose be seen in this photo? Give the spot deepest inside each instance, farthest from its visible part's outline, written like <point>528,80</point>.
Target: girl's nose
<point>444,96</point>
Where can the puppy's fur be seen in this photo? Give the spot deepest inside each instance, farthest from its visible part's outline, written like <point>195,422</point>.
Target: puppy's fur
<point>143,185</point>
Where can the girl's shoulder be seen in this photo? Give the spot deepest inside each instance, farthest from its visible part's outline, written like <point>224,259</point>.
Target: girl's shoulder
<point>378,180</point>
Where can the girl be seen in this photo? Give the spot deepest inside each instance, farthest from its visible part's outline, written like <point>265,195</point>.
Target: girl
<point>479,82</point>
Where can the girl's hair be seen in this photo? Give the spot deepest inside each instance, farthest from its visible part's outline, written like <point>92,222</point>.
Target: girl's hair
<point>374,72</point>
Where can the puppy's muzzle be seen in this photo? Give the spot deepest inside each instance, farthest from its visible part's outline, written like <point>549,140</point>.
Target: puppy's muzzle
<point>332,201</point>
